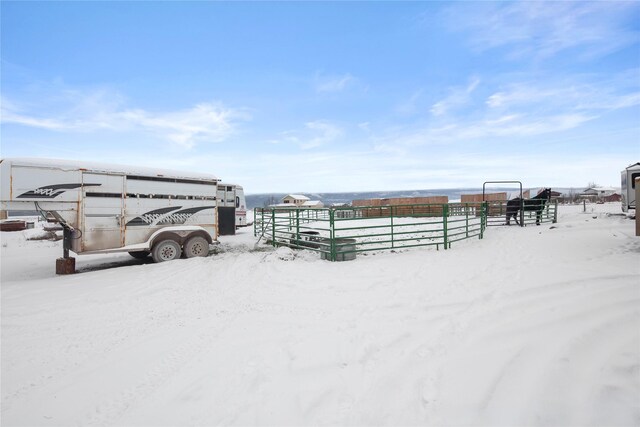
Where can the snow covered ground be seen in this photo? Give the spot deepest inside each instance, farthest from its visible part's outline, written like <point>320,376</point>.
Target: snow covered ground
<point>529,326</point>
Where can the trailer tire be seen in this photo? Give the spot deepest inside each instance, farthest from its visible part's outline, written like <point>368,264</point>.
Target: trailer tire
<point>196,246</point>
<point>166,250</point>
<point>139,254</point>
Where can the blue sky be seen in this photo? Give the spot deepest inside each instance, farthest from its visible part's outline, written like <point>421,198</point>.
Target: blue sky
<point>329,96</point>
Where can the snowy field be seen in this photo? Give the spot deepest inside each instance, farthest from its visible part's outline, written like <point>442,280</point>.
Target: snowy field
<point>529,326</point>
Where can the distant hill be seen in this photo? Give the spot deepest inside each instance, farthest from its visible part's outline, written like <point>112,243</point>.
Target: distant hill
<point>262,200</point>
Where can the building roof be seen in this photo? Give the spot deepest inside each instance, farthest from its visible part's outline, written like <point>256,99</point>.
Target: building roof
<point>308,203</point>
<point>633,166</point>
<point>602,189</point>
<point>296,196</point>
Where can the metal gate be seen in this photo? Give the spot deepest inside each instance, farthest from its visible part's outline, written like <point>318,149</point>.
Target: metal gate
<point>497,214</point>
<point>497,209</point>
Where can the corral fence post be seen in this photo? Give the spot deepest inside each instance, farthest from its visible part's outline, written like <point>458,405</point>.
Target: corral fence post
<point>273,227</point>
<point>255,221</point>
<point>484,208</point>
<point>262,230</point>
<point>445,213</point>
<point>466,215</point>
<point>391,219</point>
<point>332,234</point>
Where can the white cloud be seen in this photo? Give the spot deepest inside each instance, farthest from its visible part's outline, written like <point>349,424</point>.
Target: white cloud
<point>314,134</point>
<point>324,133</point>
<point>333,83</point>
<point>507,126</point>
<point>91,111</point>
<point>613,102</point>
<point>544,29</point>
<point>523,109</point>
<point>365,126</point>
<point>410,106</point>
<point>568,95</point>
<point>203,122</point>
<point>458,97</point>
<point>9,116</point>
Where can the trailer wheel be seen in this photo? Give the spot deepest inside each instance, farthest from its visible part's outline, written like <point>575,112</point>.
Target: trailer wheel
<point>139,254</point>
<point>166,250</point>
<point>196,246</point>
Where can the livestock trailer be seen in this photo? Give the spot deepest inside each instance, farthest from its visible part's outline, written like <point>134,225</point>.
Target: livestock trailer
<point>113,208</point>
<point>628,185</point>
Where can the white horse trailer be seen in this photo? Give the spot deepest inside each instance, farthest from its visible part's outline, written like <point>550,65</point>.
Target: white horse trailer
<point>628,185</point>
<point>111,208</point>
<point>232,208</point>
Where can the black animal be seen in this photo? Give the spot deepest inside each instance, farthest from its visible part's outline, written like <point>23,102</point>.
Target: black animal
<point>535,204</point>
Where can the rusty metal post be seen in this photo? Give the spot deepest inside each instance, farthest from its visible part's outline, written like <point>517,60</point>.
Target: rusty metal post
<point>65,265</point>
<point>66,241</point>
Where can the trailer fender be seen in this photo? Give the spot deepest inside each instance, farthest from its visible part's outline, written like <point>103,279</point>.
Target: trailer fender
<point>179,234</point>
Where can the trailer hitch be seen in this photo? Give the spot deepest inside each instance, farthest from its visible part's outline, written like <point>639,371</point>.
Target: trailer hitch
<point>68,231</point>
